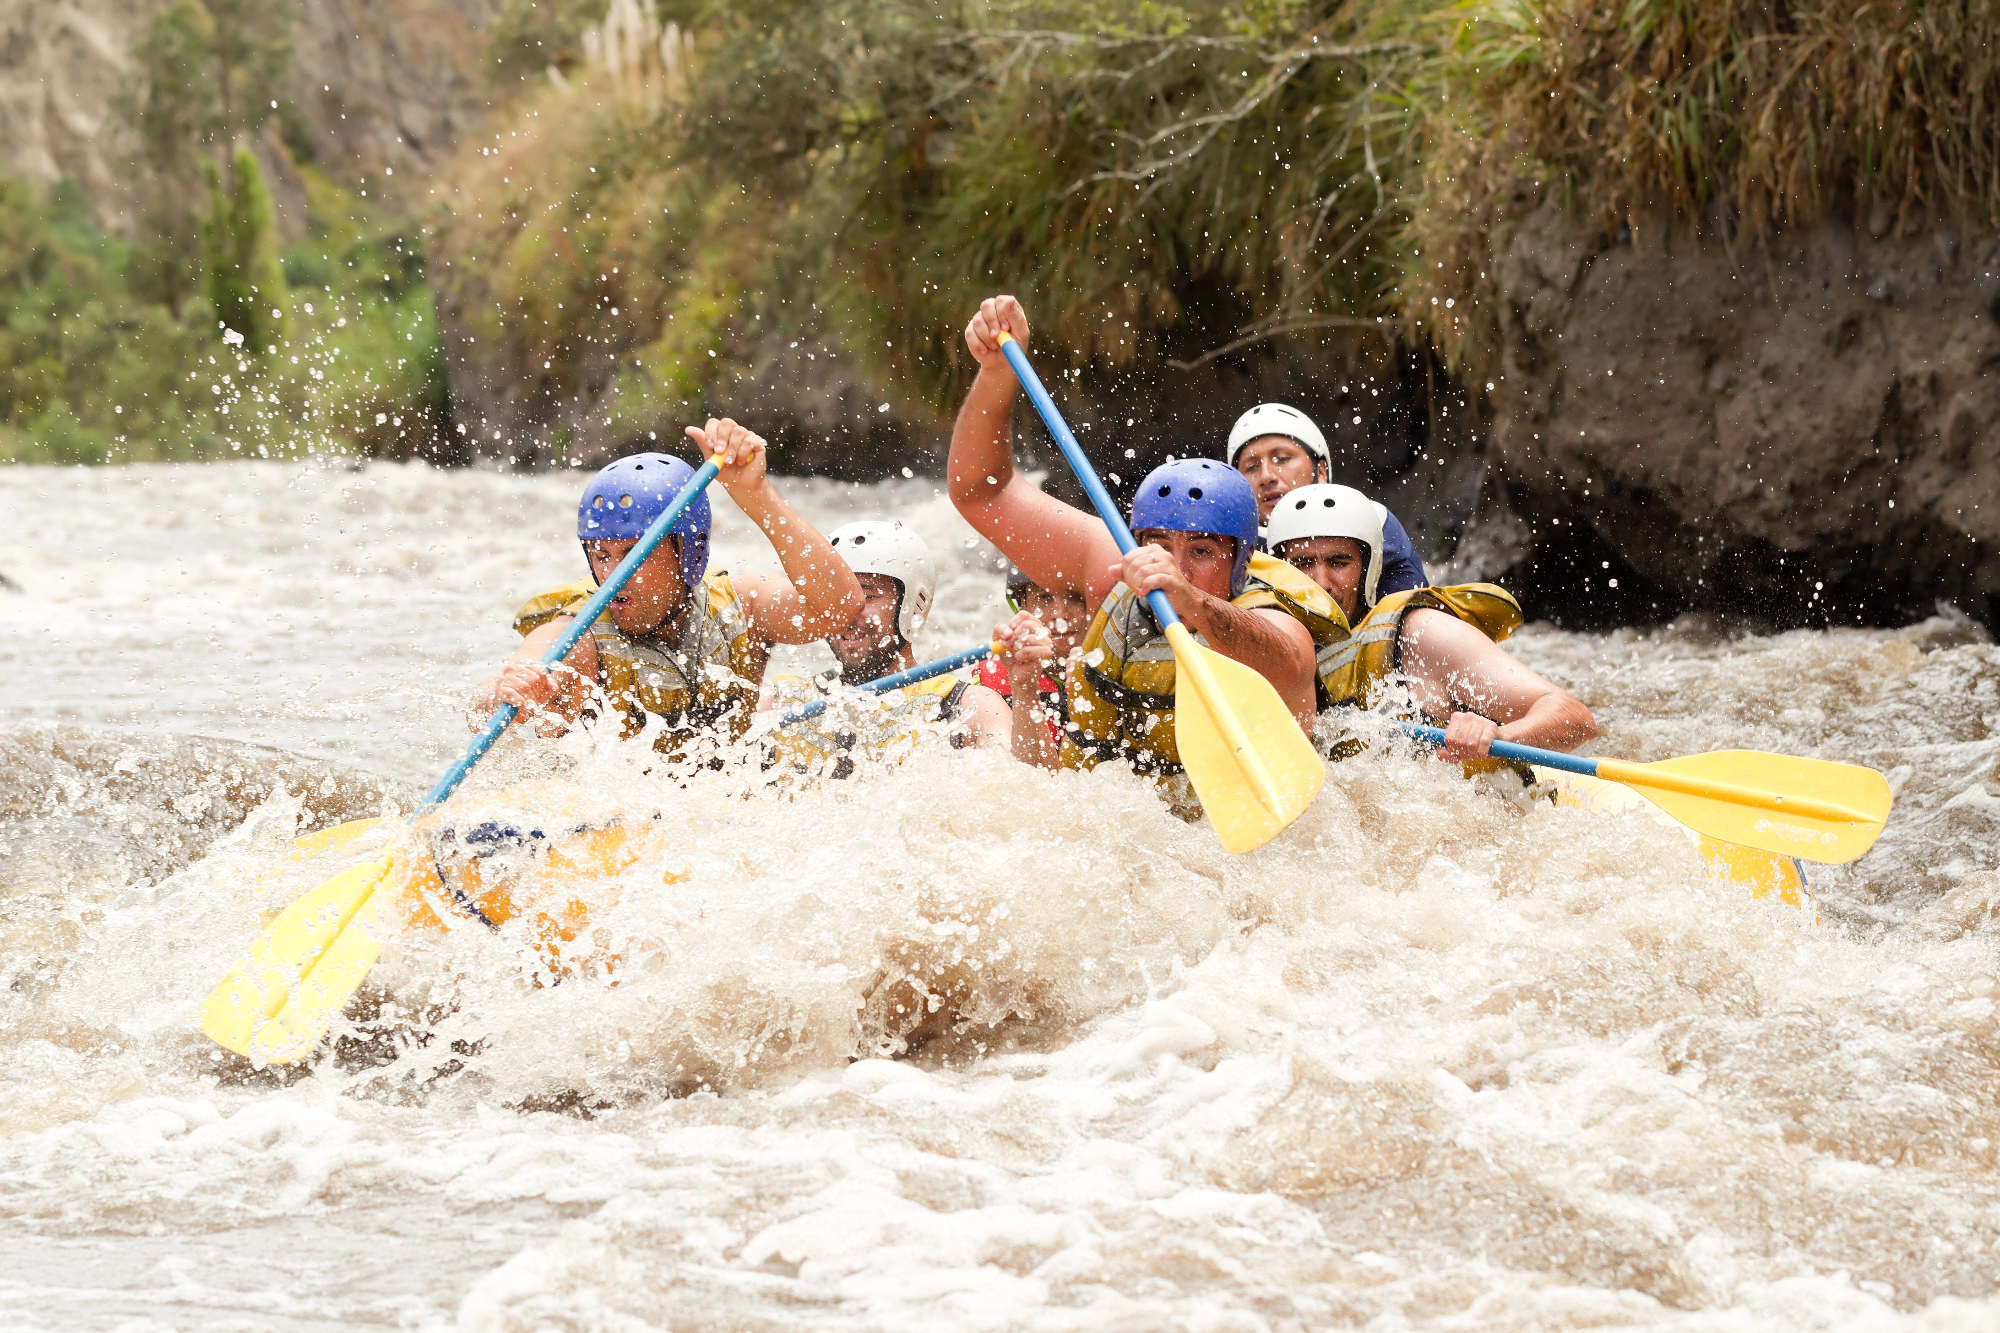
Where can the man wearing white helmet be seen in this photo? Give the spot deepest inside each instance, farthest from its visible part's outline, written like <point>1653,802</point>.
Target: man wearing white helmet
<point>898,586</point>
<point>1279,448</point>
<point>1444,641</point>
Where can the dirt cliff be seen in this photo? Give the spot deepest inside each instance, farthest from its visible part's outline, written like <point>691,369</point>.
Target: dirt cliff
<point>380,87</point>
<point>1804,427</point>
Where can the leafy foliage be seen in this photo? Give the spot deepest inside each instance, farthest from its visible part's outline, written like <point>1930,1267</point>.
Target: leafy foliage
<point>96,371</point>
<point>240,249</point>
<point>1171,185</point>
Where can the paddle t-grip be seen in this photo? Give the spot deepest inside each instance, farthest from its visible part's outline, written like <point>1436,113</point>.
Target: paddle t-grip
<point>504,715</point>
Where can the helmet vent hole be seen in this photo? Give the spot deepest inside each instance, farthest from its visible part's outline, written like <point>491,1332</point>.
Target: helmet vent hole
<point>1194,493</point>
<point>624,502</point>
<point>860,541</point>
<point>1166,490</point>
<point>1327,503</point>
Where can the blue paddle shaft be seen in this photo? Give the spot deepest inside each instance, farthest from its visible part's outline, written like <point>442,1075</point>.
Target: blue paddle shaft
<point>504,715</point>
<point>1521,754</point>
<point>1100,499</point>
<point>942,666</point>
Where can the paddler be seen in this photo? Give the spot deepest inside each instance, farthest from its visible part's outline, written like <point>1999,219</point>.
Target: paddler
<point>1443,641</point>
<point>1279,448</point>
<point>1196,524</point>
<point>1064,617</point>
<point>898,587</point>
<point>680,651</point>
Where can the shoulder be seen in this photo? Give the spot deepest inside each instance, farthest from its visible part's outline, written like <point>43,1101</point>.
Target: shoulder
<point>722,593</point>
<point>543,607</point>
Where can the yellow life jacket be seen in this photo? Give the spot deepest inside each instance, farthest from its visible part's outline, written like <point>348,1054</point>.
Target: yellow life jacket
<point>1121,685</point>
<point>709,676</point>
<point>1351,667</point>
<point>885,726</point>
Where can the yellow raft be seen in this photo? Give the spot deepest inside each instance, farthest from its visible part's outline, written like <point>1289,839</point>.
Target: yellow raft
<point>484,863</point>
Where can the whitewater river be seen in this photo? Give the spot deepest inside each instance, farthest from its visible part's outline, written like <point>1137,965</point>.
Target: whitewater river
<point>1434,1059</point>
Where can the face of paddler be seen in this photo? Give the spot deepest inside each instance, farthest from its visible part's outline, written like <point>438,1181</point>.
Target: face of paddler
<point>1064,614</point>
<point>869,647</point>
<point>1274,465</point>
<point>653,596</point>
<point>1337,564</point>
<point>1206,560</point>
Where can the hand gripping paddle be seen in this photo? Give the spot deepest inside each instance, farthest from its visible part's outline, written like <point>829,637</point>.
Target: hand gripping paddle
<point>301,971</point>
<point>1813,809</point>
<point>1253,768</point>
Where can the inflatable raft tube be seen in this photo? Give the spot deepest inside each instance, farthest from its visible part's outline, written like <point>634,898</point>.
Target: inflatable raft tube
<point>533,853</point>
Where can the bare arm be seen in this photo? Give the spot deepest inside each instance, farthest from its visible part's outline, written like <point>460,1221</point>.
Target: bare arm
<point>1269,642</point>
<point>1057,545</point>
<point>1482,693</point>
<point>823,594</point>
<point>988,720</point>
<point>550,697</point>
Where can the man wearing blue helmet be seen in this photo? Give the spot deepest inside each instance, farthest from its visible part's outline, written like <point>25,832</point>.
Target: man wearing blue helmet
<point>679,649</point>
<point>1196,523</point>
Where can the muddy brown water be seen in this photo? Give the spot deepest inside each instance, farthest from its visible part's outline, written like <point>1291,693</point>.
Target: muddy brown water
<point>1435,1058</point>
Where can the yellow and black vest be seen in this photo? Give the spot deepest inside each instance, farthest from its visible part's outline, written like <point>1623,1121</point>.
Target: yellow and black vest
<point>884,726</point>
<point>1121,685</point>
<point>709,676</point>
<point>1350,667</point>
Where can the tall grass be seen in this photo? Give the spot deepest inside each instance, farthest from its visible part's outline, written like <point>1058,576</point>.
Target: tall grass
<point>1771,115</point>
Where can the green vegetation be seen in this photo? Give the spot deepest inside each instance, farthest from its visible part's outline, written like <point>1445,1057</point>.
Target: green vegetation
<point>204,336</point>
<point>98,369</point>
<point>1167,184</point>
<point>1170,186</point>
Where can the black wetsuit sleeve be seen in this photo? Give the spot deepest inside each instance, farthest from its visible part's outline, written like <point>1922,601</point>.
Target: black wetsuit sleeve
<point>1401,569</point>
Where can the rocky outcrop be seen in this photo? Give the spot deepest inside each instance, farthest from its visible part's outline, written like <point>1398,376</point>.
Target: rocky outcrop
<point>1805,428</point>
<point>387,89</point>
<point>61,66</point>
<point>381,86</point>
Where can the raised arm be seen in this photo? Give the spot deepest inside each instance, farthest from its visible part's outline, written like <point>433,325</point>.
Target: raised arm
<point>822,594</point>
<point>1483,694</point>
<point>1057,545</point>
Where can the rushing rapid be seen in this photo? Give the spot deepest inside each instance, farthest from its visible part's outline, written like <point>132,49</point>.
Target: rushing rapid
<point>954,1043</point>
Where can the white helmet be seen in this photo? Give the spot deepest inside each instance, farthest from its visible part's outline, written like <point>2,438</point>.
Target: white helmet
<point>1277,419</point>
<point>1320,510</point>
<point>893,550</point>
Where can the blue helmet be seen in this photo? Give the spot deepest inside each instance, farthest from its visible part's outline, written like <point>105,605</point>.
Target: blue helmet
<point>1201,495</point>
<point>622,501</point>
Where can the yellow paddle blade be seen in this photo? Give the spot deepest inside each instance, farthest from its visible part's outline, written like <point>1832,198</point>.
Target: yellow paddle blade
<point>1251,789</point>
<point>301,971</point>
<point>331,839</point>
<point>1809,808</point>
